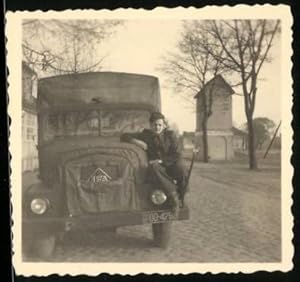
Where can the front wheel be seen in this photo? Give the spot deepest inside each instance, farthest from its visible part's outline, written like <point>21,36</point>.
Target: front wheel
<point>44,246</point>
<point>162,234</point>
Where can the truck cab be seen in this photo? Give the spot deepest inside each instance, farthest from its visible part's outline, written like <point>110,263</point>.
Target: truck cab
<point>88,178</point>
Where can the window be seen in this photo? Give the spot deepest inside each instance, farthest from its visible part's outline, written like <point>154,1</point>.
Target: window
<point>27,86</point>
<point>30,133</point>
<point>34,86</point>
<point>29,125</point>
<point>113,123</point>
<point>31,120</point>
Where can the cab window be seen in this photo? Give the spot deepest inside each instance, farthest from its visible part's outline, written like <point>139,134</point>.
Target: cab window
<point>93,123</point>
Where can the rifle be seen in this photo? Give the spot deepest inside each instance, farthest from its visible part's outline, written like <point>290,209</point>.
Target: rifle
<point>188,176</point>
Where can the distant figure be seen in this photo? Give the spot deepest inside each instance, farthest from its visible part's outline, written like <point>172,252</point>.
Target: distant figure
<point>164,157</point>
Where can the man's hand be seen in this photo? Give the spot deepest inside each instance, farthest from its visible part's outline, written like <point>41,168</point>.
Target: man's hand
<point>155,162</point>
<point>139,143</point>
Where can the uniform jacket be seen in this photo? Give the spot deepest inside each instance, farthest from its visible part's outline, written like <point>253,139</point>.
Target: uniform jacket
<point>163,146</point>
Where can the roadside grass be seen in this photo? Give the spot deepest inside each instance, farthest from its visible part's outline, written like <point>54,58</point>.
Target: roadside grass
<point>236,173</point>
<point>272,160</point>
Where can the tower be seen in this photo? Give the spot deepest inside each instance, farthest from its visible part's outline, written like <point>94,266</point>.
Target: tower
<point>219,125</point>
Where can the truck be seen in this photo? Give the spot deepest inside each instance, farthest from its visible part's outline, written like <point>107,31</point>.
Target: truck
<point>88,178</point>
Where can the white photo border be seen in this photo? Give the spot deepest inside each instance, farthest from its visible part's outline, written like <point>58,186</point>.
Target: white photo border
<point>14,62</point>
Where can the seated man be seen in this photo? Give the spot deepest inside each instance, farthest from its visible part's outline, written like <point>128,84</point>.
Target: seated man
<point>164,156</point>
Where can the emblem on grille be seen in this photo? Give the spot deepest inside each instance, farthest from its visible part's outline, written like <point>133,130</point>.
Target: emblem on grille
<point>99,176</point>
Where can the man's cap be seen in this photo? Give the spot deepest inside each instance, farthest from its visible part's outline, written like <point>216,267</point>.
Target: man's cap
<point>155,116</point>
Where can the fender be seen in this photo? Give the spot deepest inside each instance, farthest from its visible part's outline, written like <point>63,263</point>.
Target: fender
<point>40,190</point>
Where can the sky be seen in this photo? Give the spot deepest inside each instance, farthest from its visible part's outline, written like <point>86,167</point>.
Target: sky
<point>138,47</point>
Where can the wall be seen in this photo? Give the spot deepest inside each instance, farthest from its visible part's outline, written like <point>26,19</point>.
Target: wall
<point>29,141</point>
<point>221,118</point>
<point>220,147</point>
<point>188,142</point>
<point>239,143</point>
<point>29,120</point>
<point>219,125</point>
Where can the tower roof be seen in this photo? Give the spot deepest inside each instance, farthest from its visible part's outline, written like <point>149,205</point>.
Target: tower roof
<point>219,81</point>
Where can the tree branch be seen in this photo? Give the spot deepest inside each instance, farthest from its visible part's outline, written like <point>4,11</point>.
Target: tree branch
<point>223,45</point>
<point>273,32</point>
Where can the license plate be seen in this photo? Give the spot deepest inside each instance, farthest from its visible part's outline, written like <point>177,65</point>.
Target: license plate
<point>158,216</point>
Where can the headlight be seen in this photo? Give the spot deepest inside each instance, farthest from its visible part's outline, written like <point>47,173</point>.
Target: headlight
<point>158,197</point>
<point>39,206</point>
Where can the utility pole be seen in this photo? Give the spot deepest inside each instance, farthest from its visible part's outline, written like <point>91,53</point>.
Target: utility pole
<point>273,138</point>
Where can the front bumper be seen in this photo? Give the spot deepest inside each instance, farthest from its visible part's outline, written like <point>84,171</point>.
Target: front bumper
<point>101,220</point>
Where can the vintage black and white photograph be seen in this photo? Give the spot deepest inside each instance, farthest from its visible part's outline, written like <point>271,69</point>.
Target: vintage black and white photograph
<point>151,137</point>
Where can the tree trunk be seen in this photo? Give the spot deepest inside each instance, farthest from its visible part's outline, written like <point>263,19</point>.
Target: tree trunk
<point>204,139</point>
<point>204,129</point>
<point>251,145</point>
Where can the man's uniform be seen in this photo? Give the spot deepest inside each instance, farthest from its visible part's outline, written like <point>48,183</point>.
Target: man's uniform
<point>164,147</point>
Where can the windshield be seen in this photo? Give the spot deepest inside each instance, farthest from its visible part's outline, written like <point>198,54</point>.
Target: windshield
<point>93,123</point>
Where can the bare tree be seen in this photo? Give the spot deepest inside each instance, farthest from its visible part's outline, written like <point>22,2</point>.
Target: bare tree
<point>65,46</point>
<point>246,45</point>
<point>189,69</point>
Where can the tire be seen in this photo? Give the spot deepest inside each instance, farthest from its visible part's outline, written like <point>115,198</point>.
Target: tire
<point>27,245</point>
<point>44,246</point>
<point>161,234</point>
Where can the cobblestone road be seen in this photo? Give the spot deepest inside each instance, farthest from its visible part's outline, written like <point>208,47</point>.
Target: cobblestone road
<point>234,217</point>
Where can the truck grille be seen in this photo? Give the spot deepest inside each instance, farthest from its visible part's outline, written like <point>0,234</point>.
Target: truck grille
<point>101,183</point>
<point>101,172</point>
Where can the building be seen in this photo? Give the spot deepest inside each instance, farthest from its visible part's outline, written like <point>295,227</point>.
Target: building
<point>188,140</point>
<point>219,124</point>
<point>29,119</point>
<point>188,144</point>
<point>240,139</point>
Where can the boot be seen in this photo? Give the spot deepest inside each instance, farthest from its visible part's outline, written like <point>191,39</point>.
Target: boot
<point>181,199</point>
<point>175,203</point>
